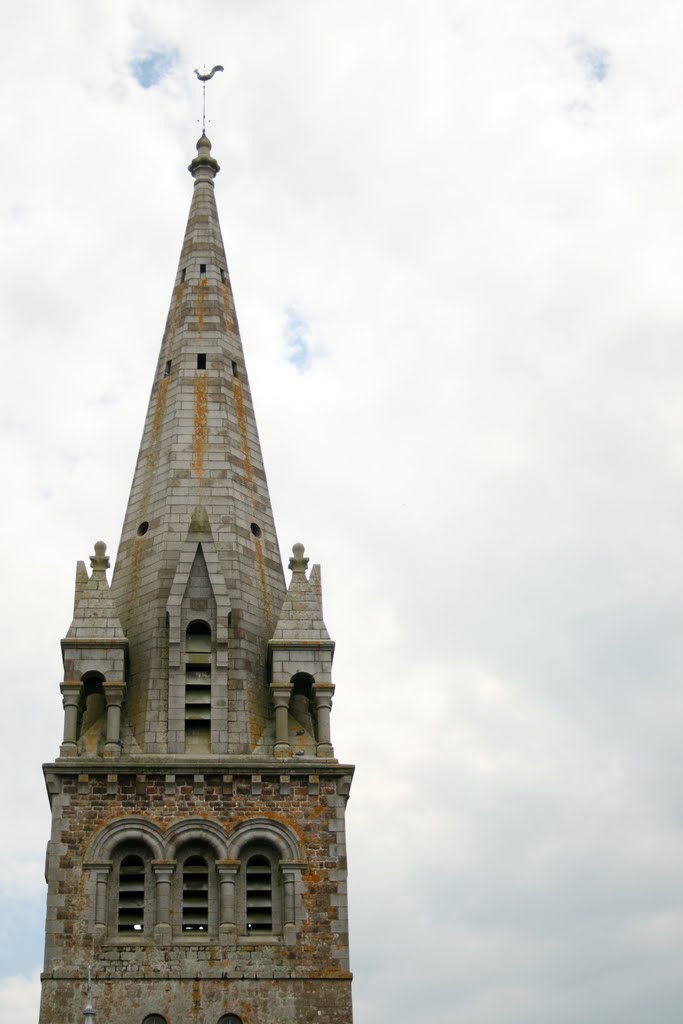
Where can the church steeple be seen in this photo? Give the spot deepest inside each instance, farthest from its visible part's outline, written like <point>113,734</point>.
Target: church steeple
<point>200,457</point>
<point>196,867</point>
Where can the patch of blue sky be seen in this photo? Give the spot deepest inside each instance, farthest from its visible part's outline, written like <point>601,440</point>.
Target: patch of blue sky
<point>595,59</point>
<point>297,338</point>
<point>151,67</point>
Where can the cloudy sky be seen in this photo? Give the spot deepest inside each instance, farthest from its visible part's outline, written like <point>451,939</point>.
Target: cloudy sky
<point>455,233</point>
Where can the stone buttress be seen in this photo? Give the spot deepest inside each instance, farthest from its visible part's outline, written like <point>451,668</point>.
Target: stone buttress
<point>197,859</point>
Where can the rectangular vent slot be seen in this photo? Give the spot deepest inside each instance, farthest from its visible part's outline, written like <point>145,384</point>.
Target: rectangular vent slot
<point>201,360</point>
<point>202,268</point>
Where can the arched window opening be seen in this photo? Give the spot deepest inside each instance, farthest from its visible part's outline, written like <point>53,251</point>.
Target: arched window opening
<point>92,710</point>
<point>195,901</point>
<point>229,1018</point>
<point>259,903</point>
<point>131,909</point>
<point>301,705</point>
<point>154,1018</point>
<point>198,637</point>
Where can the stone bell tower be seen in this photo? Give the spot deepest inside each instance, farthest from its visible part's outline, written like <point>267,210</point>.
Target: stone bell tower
<point>197,860</point>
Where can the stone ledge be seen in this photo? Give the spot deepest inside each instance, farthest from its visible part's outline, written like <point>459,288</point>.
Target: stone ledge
<point>142,766</point>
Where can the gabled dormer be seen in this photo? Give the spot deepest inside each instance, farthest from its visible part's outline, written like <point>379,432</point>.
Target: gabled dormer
<point>198,616</point>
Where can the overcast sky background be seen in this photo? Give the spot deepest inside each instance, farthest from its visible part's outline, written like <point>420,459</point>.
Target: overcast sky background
<point>455,234</point>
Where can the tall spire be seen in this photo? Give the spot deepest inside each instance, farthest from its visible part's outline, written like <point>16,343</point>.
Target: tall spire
<point>199,507</point>
<point>197,857</point>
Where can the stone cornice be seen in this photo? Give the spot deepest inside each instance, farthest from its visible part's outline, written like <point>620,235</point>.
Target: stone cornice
<point>165,766</point>
<point>94,641</point>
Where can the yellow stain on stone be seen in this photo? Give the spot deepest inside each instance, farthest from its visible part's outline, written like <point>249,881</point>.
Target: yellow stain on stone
<point>244,437</point>
<point>137,701</point>
<point>161,395</point>
<point>201,295</point>
<point>174,320</point>
<point>201,406</point>
<point>156,427</point>
<point>228,311</point>
<point>263,584</point>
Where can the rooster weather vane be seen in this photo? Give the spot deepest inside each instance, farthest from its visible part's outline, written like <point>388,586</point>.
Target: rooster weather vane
<point>204,79</point>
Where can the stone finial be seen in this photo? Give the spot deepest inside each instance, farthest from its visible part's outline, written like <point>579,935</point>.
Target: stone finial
<point>99,562</point>
<point>204,166</point>
<point>298,563</point>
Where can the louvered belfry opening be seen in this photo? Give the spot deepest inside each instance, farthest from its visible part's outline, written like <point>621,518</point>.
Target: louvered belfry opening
<point>131,913</point>
<point>195,895</point>
<point>198,687</point>
<point>259,894</point>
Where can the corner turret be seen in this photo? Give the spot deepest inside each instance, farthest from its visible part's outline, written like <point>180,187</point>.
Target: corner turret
<point>301,655</point>
<point>94,655</point>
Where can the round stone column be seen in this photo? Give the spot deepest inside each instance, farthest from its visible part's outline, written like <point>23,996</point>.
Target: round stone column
<point>323,702</point>
<point>113,694</point>
<point>227,909</point>
<point>163,877</point>
<point>290,873</point>
<point>71,695</point>
<point>281,694</point>
<point>101,872</point>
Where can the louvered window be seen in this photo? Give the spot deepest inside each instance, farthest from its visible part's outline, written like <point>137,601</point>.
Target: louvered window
<point>198,709</point>
<point>195,895</point>
<point>154,1018</point>
<point>131,915</point>
<point>198,687</point>
<point>259,882</point>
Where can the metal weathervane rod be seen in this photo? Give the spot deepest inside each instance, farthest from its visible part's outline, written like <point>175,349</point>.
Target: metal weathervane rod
<point>88,1013</point>
<point>204,79</point>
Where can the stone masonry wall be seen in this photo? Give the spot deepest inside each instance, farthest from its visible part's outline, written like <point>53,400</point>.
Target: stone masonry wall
<point>289,976</point>
<point>201,1001</point>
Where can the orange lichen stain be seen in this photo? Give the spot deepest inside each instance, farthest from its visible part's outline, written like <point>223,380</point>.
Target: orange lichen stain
<point>156,425</point>
<point>175,321</point>
<point>244,437</point>
<point>227,310</point>
<point>201,406</point>
<point>255,728</point>
<point>265,813</point>
<point>196,995</point>
<point>136,557</point>
<point>263,584</point>
<point>201,294</point>
<point>136,553</point>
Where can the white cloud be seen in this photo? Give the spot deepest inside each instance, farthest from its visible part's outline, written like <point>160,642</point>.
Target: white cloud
<point>19,998</point>
<point>486,243</point>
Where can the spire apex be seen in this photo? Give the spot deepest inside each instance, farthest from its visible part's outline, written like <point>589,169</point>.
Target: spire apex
<point>204,167</point>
